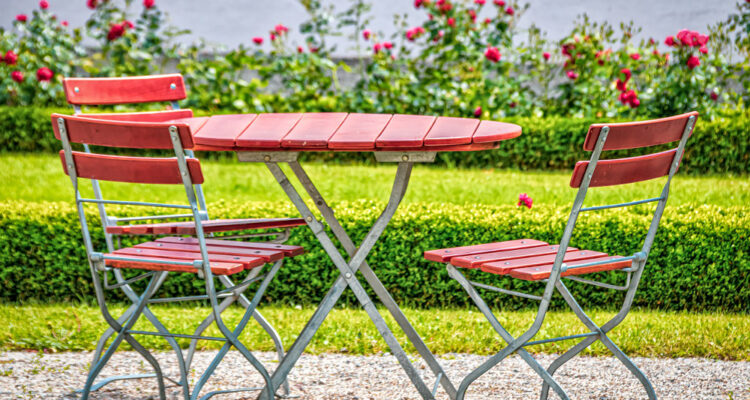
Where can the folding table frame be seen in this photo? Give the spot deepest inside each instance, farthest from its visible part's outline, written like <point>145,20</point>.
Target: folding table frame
<point>356,263</point>
<point>630,135</point>
<point>129,91</point>
<point>185,169</point>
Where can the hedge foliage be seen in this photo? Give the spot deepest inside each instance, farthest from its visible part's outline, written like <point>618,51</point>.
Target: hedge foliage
<point>700,260</point>
<point>718,146</point>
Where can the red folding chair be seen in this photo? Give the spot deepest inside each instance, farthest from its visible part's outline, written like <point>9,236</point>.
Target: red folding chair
<point>209,259</point>
<point>158,89</point>
<point>534,260</point>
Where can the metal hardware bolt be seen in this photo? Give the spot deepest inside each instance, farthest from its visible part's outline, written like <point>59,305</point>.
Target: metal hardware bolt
<point>173,86</point>
<point>138,250</point>
<point>348,275</point>
<point>507,263</point>
<point>76,89</point>
<point>405,158</point>
<point>309,219</point>
<point>523,241</point>
<point>266,158</point>
<point>159,245</point>
<point>477,257</point>
<point>70,166</point>
<point>590,175</point>
<point>236,258</point>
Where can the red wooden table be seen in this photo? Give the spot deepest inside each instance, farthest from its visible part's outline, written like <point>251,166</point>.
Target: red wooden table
<point>406,139</point>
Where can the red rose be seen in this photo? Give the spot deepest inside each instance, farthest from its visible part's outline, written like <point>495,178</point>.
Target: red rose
<point>480,2</point>
<point>525,200</point>
<point>21,18</point>
<point>115,31</point>
<point>627,73</point>
<point>473,15</point>
<point>376,48</point>
<point>411,34</point>
<point>10,57</point>
<point>43,4</point>
<point>635,56</point>
<point>693,62</point>
<point>127,24</point>
<point>492,54</point>
<point>669,41</point>
<point>44,74</point>
<point>703,49</point>
<point>713,94</point>
<point>148,3</point>
<point>91,4</point>
<point>701,40</point>
<point>621,85</point>
<point>478,112</point>
<point>17,76</point>
<point>487,21</point>
<point>272,36</point>
<point>452,22</point>
<point>312,49</point>
<point>300,49</point>
<point>418,3</point>
<point>572,74</point>
<point>499,3</point>
<point>510,11</point>
<point>258,40</point>
<point>388,45</point>
<point>635,103</point>
<point>445,7</point>
<point>366,34</point>
<point>546,56</point>
<point>64,23</point>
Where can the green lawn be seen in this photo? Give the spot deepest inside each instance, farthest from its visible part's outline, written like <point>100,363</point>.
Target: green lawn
<point>39,177</point>
<point>643,333</point>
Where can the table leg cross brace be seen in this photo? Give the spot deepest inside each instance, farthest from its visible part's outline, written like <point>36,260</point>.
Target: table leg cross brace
<point>347,277</point>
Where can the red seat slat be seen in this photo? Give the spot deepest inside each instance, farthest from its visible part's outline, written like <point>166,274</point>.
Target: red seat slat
<point>493,131</point>
<point>195,123</point>
<point>266,255</point>
<point>131,169</point>
<point>267,130</point>
<point>289,251</point>
<point>137,135</point>
<point>474,261</point>
<point>217,268</point>
<point>631,135</point>
<point>222,130</point>
<point>405,131</point>
<point>147,116</point>
<point>134,89</point>
<point>504,267</point>
<point>313,130</point>
<point>359,131</point>
<point>543,271</point>
<point>451,131</point>
<point>247,261</point>
<point>625,170</point>
<point>444,255</point>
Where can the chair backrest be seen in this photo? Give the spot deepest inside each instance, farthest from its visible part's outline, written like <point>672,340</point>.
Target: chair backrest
<point>125,90</point>
<point>126,134</point>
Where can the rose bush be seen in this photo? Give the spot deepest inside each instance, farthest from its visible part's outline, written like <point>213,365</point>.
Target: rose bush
<point>465,58</point>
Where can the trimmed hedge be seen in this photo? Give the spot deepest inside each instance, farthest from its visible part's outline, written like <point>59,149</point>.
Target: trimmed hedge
<point>718,146</point>
<point>700,261</point>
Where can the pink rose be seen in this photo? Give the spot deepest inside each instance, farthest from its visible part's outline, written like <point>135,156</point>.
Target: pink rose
<point>478,112</point>
<point>546,56</point>
<point>525,200</point>
<point>115,31</point>
<point>388,45</point>
<point>148,3</point>
<point>377,47</point>
<point>627,73</point>
<point>572,74</point>
<point>91,4</point>
<point>258,40</point>
<point>487,21</point>
<point>669,41</point>
<point>366,34</point>
<point>300,49</point>
<point>452,22</point>
<point>703,49</point>
<point>635,56</point>
<point>43,4</point>
<point>64,23</point>
<point>499,3</point>
<point>480,2</point>
<point>492,54</point>
<point>510,11</point>
<point>44,74</point>
<point>21,18</point>
<point>280,29</point>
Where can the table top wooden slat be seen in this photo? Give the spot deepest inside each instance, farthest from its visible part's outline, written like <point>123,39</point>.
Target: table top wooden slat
<point>268,130</point>
<point>449,131</point>
<point>313,130</point>
<point>222,130</point>
<point>405,131</point>
<point>359,131</point>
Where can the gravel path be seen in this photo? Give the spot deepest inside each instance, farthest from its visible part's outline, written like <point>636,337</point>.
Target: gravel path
<point>26,375</point>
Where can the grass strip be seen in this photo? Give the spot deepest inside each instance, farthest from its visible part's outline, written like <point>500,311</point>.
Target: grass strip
<point>67,327</point>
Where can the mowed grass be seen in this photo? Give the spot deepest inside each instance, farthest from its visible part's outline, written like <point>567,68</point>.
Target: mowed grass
<point>39,177</point>
<point>65,327</point>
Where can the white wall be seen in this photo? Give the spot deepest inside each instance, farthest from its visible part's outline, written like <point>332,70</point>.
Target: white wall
<point>231,22</point>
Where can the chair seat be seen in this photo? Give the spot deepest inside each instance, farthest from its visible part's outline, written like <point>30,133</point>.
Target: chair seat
<point>218,225</point>
<point>526,259</point>
<point>226,256</point>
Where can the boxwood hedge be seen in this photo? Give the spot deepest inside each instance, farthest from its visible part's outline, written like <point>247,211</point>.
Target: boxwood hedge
<point>700,260</point>
<point>718,146</point>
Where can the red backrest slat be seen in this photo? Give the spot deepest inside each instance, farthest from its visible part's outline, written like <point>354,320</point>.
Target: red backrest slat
<point>632,135</point>
<point>131,169</point>
<point>148,116</point>
<point>125,90</point>
<point>625,170</point>
<point>137,135</point>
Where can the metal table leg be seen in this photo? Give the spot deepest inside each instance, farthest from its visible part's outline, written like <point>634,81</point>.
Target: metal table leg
<point>346,279</point>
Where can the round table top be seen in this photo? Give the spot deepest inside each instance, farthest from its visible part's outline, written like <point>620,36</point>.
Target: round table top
<point>338,131</point>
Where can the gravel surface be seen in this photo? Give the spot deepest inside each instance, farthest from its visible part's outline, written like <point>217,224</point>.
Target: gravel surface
<point>25,375</point>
